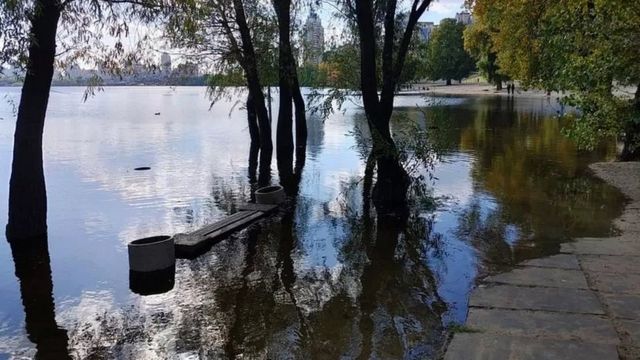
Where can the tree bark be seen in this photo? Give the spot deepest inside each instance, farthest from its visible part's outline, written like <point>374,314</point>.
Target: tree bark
<point>448,82</point>
<point>254,134</point>
<point>255,88</point>
<point>27,190</point>
<point>284,135</point>
<point>390,191</point>
<point>301,114</point>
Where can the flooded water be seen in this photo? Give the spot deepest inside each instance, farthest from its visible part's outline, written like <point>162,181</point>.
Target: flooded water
<point>323,280</point>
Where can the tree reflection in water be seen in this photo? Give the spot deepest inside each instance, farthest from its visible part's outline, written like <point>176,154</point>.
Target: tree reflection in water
<point>33,270</point>
<point>255,296</point>
<point>326,278</point>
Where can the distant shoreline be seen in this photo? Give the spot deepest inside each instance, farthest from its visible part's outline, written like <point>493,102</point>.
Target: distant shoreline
<point>473,89</point>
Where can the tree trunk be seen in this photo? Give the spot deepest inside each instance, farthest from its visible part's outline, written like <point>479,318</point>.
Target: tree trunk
<point>448,82</point>
<point>254,134</point>
<point>255,88</point>
<point>27,190</point>
<point>33,271</point>
<point>390,191</point>
<point>498,84</point>
<point>284,135</point>
<point>301,114</point>
<point>631,141</point>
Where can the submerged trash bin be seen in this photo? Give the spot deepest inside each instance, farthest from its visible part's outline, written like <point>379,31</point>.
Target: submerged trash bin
<point>152,282</point>
<point>152,265</point>
<point>152,253</point>
<point>270,195</point>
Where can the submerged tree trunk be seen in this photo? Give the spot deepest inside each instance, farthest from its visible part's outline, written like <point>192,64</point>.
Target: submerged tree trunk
<point>631,141</point>
<point>289,91</point>
<point>390,191</point>
<point>254,134</point>
<point>27,191</point>
<point>301,114</point>
<point>255,89</point>
<point>284,135</point>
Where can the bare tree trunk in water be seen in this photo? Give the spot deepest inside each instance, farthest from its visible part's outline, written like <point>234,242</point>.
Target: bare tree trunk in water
<point>284,136</point>
<point>255,88</point>
<point>301,113</point>
<point>390,190</point>
<point>254,134</point>
<point>33,271</point>
<point>631,144</point>
<point>289,91</point>
<point>368,183</point>
<point>27,191</point>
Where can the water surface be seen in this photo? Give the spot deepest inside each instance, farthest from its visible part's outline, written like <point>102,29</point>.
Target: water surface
<point>327,279</point>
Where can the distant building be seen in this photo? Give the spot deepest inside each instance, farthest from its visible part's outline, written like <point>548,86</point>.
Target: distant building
<point>186,69</point>
<point>464,18</point>
<point>313,39</point>
<point>425,29</point>
<point>165,63</point>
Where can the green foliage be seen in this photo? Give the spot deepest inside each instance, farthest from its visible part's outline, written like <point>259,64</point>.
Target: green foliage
<point>588,48</point>
<point>446,57</point>
<point>234,77</point>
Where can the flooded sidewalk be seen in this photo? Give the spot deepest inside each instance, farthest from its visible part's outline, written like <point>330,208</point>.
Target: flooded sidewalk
<point>583,303</point>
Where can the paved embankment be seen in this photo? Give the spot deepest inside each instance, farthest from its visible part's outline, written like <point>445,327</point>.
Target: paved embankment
<point>581,304</point>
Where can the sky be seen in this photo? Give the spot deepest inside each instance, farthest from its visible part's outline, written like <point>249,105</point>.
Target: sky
<point>438,10</point>
<point>441,9</point>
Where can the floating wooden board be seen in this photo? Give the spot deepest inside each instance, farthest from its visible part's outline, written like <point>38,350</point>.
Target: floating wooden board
<point>258,207</point>
<point>197,242</point>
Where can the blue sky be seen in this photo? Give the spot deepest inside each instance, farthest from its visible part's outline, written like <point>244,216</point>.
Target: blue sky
<point>441,9</point>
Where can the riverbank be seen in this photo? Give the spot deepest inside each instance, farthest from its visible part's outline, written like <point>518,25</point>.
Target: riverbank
<point>582,303</point>
<point>473,89</point>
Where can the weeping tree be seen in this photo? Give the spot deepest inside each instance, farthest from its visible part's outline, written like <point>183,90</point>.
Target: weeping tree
<point>34,35</point>
<point>384,43</point>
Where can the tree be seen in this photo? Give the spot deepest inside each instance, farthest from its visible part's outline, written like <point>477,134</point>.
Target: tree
<point>584,47</point>
<point>27,192</point>
<point>232,33</point>
<point>28,33</point>
<point>446,57</point>
<point>289,92</point>
<point>377,32</point>
<point>477,42</point>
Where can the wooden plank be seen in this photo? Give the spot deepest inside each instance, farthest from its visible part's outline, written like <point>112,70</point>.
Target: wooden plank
<point>221,223</point>
<point>265,208</point>
<point>190,245</point>
<point>235,226</point>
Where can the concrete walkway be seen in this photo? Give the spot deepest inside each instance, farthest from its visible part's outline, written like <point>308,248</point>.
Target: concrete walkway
<point>581,304</point>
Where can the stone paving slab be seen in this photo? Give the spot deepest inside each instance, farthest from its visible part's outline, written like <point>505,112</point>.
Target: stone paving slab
<point>623,306</point>
<point>629,221</point>
<point>615,283</point>
<point>479,346</point>
<point>562,261</point>
<point>536,276</point>
<point>607,246</point>
<point>632,329</point>
<point>559,326</point>
<point>529,313</point>
<point>613,264</point>
<point>536,298</point>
